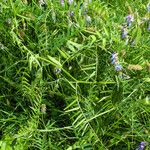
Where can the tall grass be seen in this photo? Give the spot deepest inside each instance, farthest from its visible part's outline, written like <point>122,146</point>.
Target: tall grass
<point>58,88</point>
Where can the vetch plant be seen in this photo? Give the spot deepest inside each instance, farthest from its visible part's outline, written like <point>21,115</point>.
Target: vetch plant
<point>58,90</point>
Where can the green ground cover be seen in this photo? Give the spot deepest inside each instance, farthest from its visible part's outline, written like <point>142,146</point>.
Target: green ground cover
<point>74,75</point>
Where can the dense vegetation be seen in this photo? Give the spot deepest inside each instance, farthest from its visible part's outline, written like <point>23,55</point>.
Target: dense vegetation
<point>74,75</point>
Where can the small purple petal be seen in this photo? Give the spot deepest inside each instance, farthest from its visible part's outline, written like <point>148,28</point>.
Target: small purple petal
<point>129,19</point>
<point>114,55</point>
<point>141,146</point>
<point>113,62</point>
<point>143,143</point>
<point>114,58</point>
<point>118,67</point>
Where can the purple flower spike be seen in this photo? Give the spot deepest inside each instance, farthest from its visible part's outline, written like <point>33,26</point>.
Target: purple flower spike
<point>114,58</point>
<point>118,67</point>
<point>141,146</point>
<point>115,62</point>
<point>129,19</point>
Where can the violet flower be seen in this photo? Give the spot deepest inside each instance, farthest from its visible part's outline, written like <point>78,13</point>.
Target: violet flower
<point>141,146</point>
<point>129,19</point>
<point>118,67</point>
<point>114,58</point>
<point>115,62</point>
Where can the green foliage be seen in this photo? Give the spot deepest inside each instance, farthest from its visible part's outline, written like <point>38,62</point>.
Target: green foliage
<point>58,88</point>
